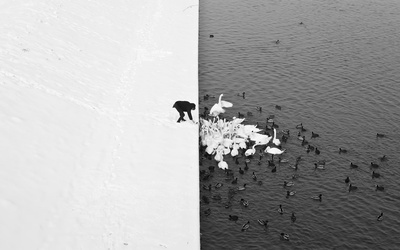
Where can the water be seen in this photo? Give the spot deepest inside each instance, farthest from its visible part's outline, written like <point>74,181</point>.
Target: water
<point>338,74</point>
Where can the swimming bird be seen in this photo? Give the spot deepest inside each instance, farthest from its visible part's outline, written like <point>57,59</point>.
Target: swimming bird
<point>207,187</point>
<point>259,109</point>
<point>299,126</point>
<point>207,212</point>
<point>288,184</point>
<point>314,135</point>
<point>284,236</point>
<point>234,181</point>
<point>218,108</point>
<point>274,151</point>
<point>259,183</point>
<point>319,197</point>
<point>383,158</point>
<point>375,175</point>
<point>246,226</point>
<point>263,222</point>
<point>242,188</point>
<point>277,41</point>
<point>246,167</point>
<point>249,113</point>
<point>242,94</point>
<point>374,165</point>
<point>380,135</point>
<point>380,217</point>
<point>293,217</point>
<point>352,188</point>
<point>347,180</point>
<point>241,171</point>
<point>218,185</point>
<point>216,197</point>
<point>205,199</point>
<point>275,140</point>
<point>380,188</point>
<point>280,209</point>
<point>353,165</point>
<point>254,176</point>
<point>211,36</point>
<point>317,151</point>
<point>290,193</point>
<point>211,168</point>
<point>277,106</point>
<point>233,218</point>
<point>273,170</point>
<point>244,202</point>
<point>341,150</point>
<point>271,163</point>
<point>316,166</point>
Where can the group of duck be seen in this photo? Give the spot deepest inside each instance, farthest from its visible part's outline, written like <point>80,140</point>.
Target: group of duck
<point>273,147</point>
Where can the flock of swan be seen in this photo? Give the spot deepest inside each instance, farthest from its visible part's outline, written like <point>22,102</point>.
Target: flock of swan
<point>220,137</point>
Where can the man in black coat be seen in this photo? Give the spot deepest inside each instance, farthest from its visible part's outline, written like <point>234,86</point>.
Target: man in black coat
<point>184,106</point>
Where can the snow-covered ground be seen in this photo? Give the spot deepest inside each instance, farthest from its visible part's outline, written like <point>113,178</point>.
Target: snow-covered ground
<point>91,154</point>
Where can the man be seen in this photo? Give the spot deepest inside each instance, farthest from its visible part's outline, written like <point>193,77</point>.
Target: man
<point>184,106</point>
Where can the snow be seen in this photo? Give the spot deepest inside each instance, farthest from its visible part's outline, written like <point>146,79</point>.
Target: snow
<point>91,154</point>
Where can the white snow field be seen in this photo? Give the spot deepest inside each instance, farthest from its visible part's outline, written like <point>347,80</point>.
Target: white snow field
<point>91,154</point>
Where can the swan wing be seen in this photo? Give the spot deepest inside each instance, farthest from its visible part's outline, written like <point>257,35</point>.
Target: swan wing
<point>226,104</point>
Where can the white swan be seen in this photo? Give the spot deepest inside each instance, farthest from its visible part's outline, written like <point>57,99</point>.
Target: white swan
<point>276,141</point>
<point>218,107</point>
<point>274,151</point>
<point>251,151</point>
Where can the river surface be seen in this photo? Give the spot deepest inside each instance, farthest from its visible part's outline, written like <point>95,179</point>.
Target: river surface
<point>336,70</point>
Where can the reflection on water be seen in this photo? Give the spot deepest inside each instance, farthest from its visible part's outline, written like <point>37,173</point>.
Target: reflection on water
<point>335,69</point>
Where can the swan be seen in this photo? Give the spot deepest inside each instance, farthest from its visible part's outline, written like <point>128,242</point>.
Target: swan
<point>250,151</point>
<point>275,140</point>
<point>218,108</point>
<point>274,151</point>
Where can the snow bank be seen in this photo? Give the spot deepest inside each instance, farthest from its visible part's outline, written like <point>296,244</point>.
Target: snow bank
<point>92,156</point>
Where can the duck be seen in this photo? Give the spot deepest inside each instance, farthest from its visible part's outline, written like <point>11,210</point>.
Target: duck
<point>246,226</point>
<point>284,236</point>
<point>383,158</point>
<point>218,185</point>
<point>249,113</point>
<point>288,183</point>
<point>280,209</point>
<point>316,166</point>
<point>277,41</point>
<point>205,199</point>
<point>314,135</point>
<point>216,197</point>
<point>379,188</point>
<point>244,202</point>
<point>240,115</point>
<point>299,126</point>
<point>293,217</point>
<point>263,222</point>
<point>280,160</point>
<point>237,161</point>
<point>242,188</point>
<point>284,138</point>
<point>233,218</point>
<point>317,151</point>
<point>259,183</point>
<point>319,197</point>
<point>347,180</point>
<point>205,187</point>
<point>234,181</point>
<point>286,132</point>
<point>276,141</point>
<point>295,177</point>
<point>271,163</point>
<point>254,176</point>
<point>352,188</point>
<point>211,36</point>
<point>241,171</point>
<point>310,147</point>
<point>380,135</point>
<point>380,217</point>
<point>246,167</point>
<point>301,137</point>
<point>259,109</point>
<point>341,150</point>
<point>273,170</point>
<point>211,168</point>
<point>375,175</point>
<point>374,165</point>
<point>218,108</point>
<point>290,193</point>
<point>353,165</point>
<point>207,212</point>
<point>242,94</point>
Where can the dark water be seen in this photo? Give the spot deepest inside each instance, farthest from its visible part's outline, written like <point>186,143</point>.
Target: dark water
<point>338,73</point>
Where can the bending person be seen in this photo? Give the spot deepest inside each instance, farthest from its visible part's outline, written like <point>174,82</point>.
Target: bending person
<point>184,106</point>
